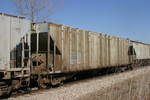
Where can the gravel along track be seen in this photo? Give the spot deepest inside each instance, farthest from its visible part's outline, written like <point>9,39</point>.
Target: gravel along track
<point>82,88</point>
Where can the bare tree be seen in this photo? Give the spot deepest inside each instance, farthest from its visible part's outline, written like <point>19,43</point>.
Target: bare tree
<point>37,10</point>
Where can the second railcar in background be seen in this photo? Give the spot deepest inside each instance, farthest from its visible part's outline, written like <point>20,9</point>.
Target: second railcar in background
<point>141,53</point>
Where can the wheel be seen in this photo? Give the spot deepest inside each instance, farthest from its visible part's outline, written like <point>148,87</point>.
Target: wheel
<point>55,82</point>
<point>119,71</point>
<point>6,92</point>
<point>26,90</point>
<point>41,83</point>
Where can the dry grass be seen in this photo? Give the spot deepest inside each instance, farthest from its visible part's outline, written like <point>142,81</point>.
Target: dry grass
<point>137,88</point>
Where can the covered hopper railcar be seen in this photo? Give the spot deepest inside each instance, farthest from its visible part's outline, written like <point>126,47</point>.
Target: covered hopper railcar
<point>14,53</point>
<point>58,51</point>
<point>140,53</point>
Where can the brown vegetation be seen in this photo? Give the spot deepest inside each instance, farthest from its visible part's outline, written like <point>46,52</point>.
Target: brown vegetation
<point>137,88</point>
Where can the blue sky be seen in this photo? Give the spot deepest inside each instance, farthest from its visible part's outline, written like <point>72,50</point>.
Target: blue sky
<point>122,18</point>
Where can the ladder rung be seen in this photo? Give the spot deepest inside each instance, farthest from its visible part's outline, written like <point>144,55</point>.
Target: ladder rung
<point>25,75</point>
<point>26,50</point>
<point>26,58</point>
<point>13,59</point>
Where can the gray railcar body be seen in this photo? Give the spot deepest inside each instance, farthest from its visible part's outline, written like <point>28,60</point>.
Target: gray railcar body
<point>142,50</point>
<point>14,51</point>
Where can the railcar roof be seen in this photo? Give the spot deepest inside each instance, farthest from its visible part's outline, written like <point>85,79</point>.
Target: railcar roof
<point>140,42</point>
<point>11,15</point>
<point>93,32</point>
